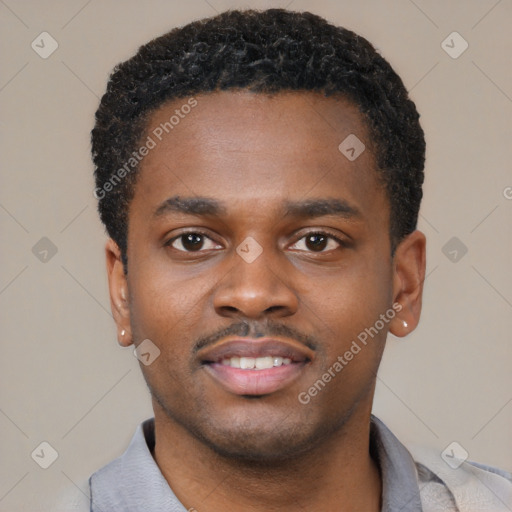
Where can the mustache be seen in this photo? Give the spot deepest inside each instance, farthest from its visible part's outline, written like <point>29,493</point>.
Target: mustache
<point>257,329</point>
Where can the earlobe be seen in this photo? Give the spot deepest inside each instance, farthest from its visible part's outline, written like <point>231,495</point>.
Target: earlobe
<point>409,274</point>
<point>118,288</point>
<point>400,327</point>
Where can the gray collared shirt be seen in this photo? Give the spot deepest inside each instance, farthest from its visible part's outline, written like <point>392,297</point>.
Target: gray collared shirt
<point>134,483</point>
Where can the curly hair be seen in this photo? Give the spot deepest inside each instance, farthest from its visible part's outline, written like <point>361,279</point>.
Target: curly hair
<point>264,52</point>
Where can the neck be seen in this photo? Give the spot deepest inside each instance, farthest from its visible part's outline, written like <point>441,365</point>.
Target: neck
<point>338,475</point>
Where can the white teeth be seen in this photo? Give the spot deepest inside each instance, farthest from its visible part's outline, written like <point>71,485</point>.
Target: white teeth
<point>247,363</point>
<point>256,363</point>
<point>264,362</point>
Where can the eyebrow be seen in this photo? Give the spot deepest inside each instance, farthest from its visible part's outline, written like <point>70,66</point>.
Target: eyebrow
<point>320,208</point>
<point>191,205</point>
<point>308,208</point>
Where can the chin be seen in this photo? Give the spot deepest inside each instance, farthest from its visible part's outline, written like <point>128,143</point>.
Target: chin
<point>256,448</point>
<point>261,443</point>
<point>253,434</point>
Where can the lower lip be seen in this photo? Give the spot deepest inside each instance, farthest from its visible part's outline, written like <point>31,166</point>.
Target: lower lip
<point>254,382</point>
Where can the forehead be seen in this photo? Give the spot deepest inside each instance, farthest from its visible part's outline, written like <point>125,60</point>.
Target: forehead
<point>250,120</point>
<point>247,147</point>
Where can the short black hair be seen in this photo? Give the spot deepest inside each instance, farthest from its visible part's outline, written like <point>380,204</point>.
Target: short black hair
<point>264,52</point>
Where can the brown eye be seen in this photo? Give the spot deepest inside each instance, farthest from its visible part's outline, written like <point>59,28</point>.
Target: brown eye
<point>317,242</point>
<point>191,242</point>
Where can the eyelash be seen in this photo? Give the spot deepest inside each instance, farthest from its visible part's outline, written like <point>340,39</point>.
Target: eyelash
<point>195,232</point>
<point>327,234</point>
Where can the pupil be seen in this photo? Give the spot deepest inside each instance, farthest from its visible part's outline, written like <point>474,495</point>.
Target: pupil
<point>316,242</point>
<point>192,241</point>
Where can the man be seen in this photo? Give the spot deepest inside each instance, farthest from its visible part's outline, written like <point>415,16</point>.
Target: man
<point>260,176</point>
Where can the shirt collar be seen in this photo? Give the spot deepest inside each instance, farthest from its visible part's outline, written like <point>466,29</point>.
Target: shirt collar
<point>133,482</point>
<point>400,490</point>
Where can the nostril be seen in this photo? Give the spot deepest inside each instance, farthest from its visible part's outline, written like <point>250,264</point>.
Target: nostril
<point>229,309</point>
<point>272,309</point>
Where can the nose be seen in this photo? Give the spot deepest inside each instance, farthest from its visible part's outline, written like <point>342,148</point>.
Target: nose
<point>255,290</point>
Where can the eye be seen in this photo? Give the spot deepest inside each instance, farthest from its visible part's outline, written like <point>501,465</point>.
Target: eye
<point>317,242</point>
<point>193,241</point>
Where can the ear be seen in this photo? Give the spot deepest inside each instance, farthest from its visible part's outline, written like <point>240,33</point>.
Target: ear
<point>118,288</point>
<point>409,264</point>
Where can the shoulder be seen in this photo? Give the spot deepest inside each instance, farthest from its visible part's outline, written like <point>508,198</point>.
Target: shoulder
<point>133,482</point>
<point>473,486</point>
<point>117,485</point>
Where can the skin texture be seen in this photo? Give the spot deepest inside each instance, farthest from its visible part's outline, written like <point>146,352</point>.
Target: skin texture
<point>253,152</point>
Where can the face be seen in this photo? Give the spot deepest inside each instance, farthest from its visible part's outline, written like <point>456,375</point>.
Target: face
<point>254,241</point>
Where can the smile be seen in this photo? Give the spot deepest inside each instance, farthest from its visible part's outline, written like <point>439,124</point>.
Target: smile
<point>256,363</point>
<point>255,367</point>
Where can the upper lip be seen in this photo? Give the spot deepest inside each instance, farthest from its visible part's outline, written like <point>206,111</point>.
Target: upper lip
<point>260,347</point>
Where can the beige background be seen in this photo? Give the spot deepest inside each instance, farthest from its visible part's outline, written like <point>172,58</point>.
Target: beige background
<point>64,379</point>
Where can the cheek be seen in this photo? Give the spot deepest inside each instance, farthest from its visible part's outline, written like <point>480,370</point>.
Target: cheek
<point>349,308</point>
<point>361,291</point>
<point>167,312</point>
<point>352,346</point>
<point>161,300</point>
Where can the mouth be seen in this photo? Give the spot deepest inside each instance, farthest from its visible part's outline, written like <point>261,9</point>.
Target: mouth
<point>255,367</point>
